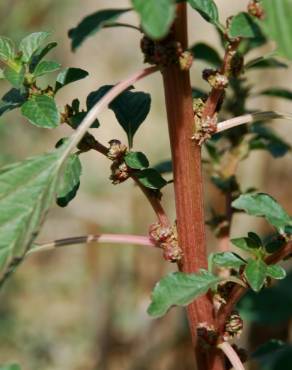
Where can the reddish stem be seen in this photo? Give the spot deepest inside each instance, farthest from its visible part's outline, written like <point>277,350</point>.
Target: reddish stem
<point>186,157</point>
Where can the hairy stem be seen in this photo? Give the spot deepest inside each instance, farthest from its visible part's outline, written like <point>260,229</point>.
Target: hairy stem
<point>102,238</point>
<point>231,355</point>
<point>186,157</point>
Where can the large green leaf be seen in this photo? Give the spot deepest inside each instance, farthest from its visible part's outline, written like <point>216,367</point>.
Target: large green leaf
<point>156,16</point>
<point>15,76</point>
<point>130,107</point>
<point>7,52</point>
<point>227,259</point>
<point>41,110</point>
<point>92,24</point>
<point>255,273</point>
<point>208,10</point>
<point>243,25</point>
<point>68,76</point>
<point>45,67</point>
<point>278,26</point>
<point>180,289</point>
<point>263,205</point>
<point>70,181</point>
<point>31,43</point>
<point>202,51</point>
<point>27,190</point>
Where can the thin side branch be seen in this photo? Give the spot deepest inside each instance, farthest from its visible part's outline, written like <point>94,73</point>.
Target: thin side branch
<point>231,355</point>
<point>102,238</point>
<point>251,118</point>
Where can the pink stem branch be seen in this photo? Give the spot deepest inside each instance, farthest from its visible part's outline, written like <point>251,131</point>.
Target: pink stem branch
<point>231,355</point>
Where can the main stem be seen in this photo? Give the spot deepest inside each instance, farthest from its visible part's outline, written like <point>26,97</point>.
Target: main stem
<point>186,157</point>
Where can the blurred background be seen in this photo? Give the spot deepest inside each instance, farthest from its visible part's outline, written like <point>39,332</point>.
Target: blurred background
<point>84,307</point>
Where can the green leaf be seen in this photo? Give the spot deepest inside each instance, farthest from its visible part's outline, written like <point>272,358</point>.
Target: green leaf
<point>255,238</point>
<point>68,76</point>
<point>228,259</point>
<point>131,108</point>
<point>202,51</point>
<point>263,205</point>
<point>264,62</point>
<point>31,43</point>
<point>7,52</point>
<point>151,179</point>
<point>27,190</point>
<point>156,16</point>
<point>274,355</point>
<point>70,181</point>
<point>45,67</point>
<point>243,25</point>
<point>208,10</point>
<point>15,77</point>
<point>11,100</point>
<point>10,367</point>
<point>277,92</point>
<point>92,24</point>
<point>164,166</point>
<point>136,160</point>
<point>255,273</point>
<point>277,25</point>
<point>41,110</point>
<point>246,244</point>
<point>276,272</point>
<point>273,245</point>
<point>40,54</point>
<point>180,289</point>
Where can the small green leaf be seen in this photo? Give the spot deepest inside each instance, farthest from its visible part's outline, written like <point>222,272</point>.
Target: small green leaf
<point>180,289</point>
<point>276,272</point>
<point>68,76</point>
<point>264,62</point>
<point>27,190</point>
<point>277,92</point>
<point>151,179</point>
<point>31,43</point>
<point>228,259</point>
<point>263,205</point>
<point>208,10</point>
<point>15,77</point>
<point>92,24</point>
<point>202,51</point>
<point>45,67</point>
<point>164,166</point>
<point>255,273</point>
<point>246,244</point>
<point>273,245</point>
<point>243,25</point>
<point>11,100</point>
<point>40,54</point>
<point>70,181</point>
<point>156,16</point>
<point>131,108</point>
<point>277,25</point>
<point>7,49</point>
<point>136,160</point>
<point>41,110</point>
<point>256,239</point>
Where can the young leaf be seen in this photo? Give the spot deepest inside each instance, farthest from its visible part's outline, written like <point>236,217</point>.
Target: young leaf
<point>263,205</point>
<point>40,54</point>
<point>70,181</point>
<point>45,67</point>
<point>41,110</point>
<point>27,189</point>
<point>31,43</point>
<point>246,244</point>
<point>208,10</point>
<point>228,259</point>
<point>243,25</point>
<point>68,76</point>
<point>156,16</point>
<point>136,160</point>
<point>180,289</point>
<point>202,51</point>
<point>255,273</point>
<point>7,52</point>
<point>276,272</point>
<point>277,92</point>
<point>130,107</point>
<point>277,25</point>
<point>151,179</point>
<point>92,24</point>
<point>15,77</point>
